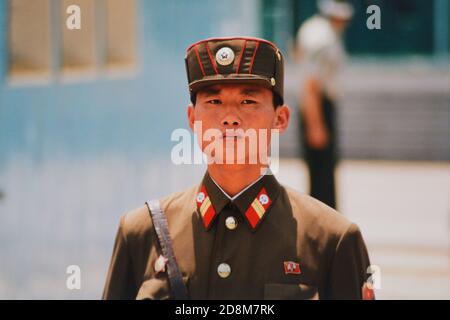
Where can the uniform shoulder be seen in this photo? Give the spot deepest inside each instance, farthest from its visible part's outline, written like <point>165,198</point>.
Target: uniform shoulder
<point>178,200</point>
<point>316,216</point>
<point>137,222</point>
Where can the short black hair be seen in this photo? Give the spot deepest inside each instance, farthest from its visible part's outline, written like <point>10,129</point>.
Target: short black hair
<point>276,99</point>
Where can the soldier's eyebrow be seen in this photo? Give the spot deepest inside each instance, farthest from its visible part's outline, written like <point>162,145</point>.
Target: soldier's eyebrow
<point>210,91</point>
<point>250,91</point>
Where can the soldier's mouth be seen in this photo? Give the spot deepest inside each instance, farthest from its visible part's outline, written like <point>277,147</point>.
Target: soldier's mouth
<point>231,136</point>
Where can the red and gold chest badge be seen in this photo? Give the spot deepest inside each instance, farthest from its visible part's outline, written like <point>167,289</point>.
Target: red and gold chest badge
<point>205,207</point>
<point>258,208</point>
<point>291,267</point>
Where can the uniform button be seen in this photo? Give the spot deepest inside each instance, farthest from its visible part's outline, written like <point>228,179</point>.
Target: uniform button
<point>231,223</point>
<point>223,270</point>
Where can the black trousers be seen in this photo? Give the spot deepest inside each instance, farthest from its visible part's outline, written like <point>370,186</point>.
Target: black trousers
<point>322,162</point>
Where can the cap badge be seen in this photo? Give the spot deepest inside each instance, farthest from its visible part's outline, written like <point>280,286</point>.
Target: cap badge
<point>225,56</point>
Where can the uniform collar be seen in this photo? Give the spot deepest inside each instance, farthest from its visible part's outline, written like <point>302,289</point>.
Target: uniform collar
<point>240,192</point>
<point>253,203</point>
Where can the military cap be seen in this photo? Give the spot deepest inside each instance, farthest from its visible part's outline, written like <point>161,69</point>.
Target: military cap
<point>235,60</point>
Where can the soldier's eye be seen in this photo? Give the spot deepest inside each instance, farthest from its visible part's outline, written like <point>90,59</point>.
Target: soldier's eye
<point>214,101</point>
<point>248,101</point>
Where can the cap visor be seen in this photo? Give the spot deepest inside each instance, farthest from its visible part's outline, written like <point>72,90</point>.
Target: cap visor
<point>230,79</point>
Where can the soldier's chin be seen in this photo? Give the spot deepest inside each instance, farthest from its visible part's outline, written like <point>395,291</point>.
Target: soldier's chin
<point>234,161</point>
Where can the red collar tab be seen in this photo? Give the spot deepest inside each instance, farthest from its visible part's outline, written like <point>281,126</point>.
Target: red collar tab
<point>258,208</point>
<point>205,207</point>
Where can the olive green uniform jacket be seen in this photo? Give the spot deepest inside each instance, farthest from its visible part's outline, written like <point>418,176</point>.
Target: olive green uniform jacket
<point>270,243</point>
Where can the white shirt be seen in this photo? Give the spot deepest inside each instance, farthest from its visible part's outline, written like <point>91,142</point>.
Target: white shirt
<point>322,53</point>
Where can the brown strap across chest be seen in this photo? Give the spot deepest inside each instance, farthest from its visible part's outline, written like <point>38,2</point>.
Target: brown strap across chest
<point>177,286</point>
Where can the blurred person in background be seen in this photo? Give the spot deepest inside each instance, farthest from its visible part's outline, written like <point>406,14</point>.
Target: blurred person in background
<point>321,55</point>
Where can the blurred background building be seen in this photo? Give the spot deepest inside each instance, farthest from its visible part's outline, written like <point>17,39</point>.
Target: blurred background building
<point>86,118</point>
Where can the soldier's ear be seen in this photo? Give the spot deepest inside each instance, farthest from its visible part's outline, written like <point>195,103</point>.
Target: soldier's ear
<point>191,115</point>
<point>282,115</point>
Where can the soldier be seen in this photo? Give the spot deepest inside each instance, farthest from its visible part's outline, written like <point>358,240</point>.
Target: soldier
<point>320,43</point>
<point>238,234</point>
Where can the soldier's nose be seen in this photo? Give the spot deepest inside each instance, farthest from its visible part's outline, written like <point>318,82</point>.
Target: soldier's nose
<point>231,121</point>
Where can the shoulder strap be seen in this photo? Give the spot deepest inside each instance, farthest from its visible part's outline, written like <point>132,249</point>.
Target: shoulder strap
<point>179,291</point>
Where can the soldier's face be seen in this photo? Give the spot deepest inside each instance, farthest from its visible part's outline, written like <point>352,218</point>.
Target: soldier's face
<point>232,116</point>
